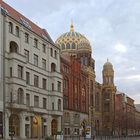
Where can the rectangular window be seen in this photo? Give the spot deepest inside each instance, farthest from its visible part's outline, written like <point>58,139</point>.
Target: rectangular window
<point>27,99</point>
<point>26,53</point>
<point>36,80</point>
<point>26,37</point>
<point>52,106</point>
<point>55,54</point>
<point>44,82</point>
<point>27,78</point>
<point>11,72</point>
<point>35,60</point>
<point>35,43</point>
<point>36,101</point>
<point>20,72</point>
<point>51,51</point>
<point>59,86</point>
<point>44,48</point>
<point>17,31</point>
<point>44,103</point>
<point>44,64</point>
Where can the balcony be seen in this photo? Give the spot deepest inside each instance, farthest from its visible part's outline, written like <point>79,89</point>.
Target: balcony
<point>16,106</point>
<point>17,56</point>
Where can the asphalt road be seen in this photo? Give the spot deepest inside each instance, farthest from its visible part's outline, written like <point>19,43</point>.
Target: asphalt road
<point>128,138</point>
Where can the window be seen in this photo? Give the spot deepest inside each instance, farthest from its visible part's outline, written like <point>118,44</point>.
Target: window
<point>26,37</point>
<point>44,48</point>
<point>44,103</point>
<point>11,73</point>
<point>59,104</point>
<point>36,80</point>
<point>51,52</point>
<point>52,86</point>
<point>36,101</point>
<point>35,60</point>
<point>52,106</point>
<point>106,107</point>
<point>65,102</point>
<point>97,99</point>
<point>27,78</point>
<point>44,64</point>
<point>26,53</point>
<point>27,99</point>
<point>59,86</point>
<point>10,27</point>
<point>68,46</point>
<point>13,47</point>
<point>44,82</point>
<point>20,99</point>
<point>20,72</point>
<point>63,46</point>
<point>35,43</point>
<point>65,83</point>
<point>73,45</point>
<point>53,67</point>
<point>55,54</point>
<point>17,31</point>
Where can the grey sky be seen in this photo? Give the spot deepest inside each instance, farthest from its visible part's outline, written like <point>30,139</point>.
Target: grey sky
<point>112,27</point>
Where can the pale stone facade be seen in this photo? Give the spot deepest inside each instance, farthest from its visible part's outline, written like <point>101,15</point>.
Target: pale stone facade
<point>33,83</point>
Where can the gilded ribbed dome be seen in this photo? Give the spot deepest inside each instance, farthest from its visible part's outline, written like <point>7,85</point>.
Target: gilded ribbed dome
<point>108,65</point>
<point>72,40</point>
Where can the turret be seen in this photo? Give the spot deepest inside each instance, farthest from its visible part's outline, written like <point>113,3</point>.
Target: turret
<point>108,74</point>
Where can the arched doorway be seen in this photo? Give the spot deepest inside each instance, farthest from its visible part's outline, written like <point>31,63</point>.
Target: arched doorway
<point>14,125</point>
<point>35,128</point>
<point>54,127</point>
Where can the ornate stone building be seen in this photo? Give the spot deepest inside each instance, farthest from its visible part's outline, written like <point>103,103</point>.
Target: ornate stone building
<point>76,47</point>
<point>101,97</point>
<point>31,98</point>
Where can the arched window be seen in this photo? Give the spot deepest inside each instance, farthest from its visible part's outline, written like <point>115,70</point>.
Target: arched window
<point>63,46</point>
<point>10,27</point>
<point>20,99</point>
<point>73,45</point>
<point>68,46</point>
<point>59,104</point>
<point>13,47</point>
<point>17,31</point>
<point>53,67</point>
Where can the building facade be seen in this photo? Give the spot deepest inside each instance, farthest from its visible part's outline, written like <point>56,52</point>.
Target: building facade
<point>31,92</point>
<point>76,56</point>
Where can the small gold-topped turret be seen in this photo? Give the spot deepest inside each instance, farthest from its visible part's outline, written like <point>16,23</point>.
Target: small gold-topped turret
<point>71,27</point>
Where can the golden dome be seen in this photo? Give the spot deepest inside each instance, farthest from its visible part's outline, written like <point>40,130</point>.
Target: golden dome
<point>72,41</point>
<point>108,65</point>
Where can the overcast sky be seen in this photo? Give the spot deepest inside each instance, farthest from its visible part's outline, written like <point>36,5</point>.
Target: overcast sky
<point>111,26</point>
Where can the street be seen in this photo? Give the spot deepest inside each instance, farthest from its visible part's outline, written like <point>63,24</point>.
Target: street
<point>128,138</point>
